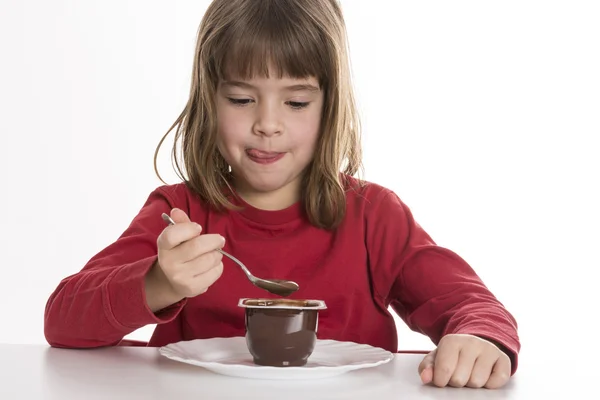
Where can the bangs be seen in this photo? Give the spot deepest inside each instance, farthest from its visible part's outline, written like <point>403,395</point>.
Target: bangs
<point>271,39</point>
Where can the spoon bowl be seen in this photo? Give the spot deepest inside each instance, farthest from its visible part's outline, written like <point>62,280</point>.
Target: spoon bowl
<point>276,286</point>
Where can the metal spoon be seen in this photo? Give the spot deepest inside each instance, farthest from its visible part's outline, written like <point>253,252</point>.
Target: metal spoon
<point>275,286</point>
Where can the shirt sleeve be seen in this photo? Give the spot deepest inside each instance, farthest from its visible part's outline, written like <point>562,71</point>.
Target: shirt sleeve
<point>106,300</point>
<point>433,290</point>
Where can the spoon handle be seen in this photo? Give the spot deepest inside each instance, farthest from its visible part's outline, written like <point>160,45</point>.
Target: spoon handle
<point>238,262</point>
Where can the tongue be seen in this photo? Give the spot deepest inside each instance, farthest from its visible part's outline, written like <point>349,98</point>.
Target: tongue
<point>261,154</point>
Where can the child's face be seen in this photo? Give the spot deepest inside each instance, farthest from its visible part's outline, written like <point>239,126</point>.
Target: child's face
<point>268,129</point>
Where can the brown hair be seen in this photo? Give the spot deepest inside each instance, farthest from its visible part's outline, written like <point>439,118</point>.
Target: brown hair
<point>300,38</point>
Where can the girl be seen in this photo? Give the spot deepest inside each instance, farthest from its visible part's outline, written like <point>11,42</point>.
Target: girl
<point>270,147</point>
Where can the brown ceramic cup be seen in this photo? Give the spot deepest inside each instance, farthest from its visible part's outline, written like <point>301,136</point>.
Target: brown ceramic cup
<point>281,332</point>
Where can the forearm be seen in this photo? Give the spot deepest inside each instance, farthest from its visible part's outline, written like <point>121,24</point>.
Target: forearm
<point>438,293</point>
<point>98,307</point>
<point>464,306</point>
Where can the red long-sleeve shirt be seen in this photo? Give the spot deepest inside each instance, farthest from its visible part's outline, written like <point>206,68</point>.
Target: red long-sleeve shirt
<point>379,256</point>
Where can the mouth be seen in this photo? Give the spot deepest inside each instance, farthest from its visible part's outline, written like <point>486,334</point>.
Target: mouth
<point>263,156</point>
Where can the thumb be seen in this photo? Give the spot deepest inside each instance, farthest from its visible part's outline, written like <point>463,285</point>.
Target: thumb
<point>179,216</point>
<point>426,367</point>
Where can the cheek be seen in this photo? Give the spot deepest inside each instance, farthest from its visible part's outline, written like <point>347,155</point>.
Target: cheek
<point>308,129</point>
<point>230,127</point>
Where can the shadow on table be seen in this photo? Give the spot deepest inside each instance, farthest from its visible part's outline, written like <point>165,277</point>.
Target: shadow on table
<point>130,373</point>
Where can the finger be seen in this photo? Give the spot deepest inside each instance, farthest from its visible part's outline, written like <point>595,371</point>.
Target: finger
<point>173,236</point>
<point>203,263</point>
<point>466,361</point>
<point>426,367</point>
<point>500,373</point>
<point>208,278</point>
<point>198,246</point>
<point>427,375</point>
<point>445,363</point>
<point>427,361</point>
<point>179,216</point>
<point>481,371</point>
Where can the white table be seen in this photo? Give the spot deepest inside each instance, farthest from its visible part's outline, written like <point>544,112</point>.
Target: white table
<point>41,372</point>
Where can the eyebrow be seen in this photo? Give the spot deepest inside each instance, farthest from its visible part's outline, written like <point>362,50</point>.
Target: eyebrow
<point>292,88</point>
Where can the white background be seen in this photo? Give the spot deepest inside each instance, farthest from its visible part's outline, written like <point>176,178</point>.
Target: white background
<point>483,116</point>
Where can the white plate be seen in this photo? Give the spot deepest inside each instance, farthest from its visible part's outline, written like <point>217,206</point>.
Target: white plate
<point>230,356</point>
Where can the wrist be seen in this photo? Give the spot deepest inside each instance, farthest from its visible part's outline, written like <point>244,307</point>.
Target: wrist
<point>159,292</point>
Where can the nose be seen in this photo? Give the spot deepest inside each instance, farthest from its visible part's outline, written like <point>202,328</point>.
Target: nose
<point>268,122</point>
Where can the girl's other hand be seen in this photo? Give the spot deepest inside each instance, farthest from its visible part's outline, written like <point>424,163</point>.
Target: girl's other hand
<point>466,360</point>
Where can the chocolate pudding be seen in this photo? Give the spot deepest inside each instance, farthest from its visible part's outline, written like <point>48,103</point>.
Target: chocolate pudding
<point>281,332</point>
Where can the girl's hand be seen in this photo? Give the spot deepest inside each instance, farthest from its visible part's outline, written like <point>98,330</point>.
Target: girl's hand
<point>187,263</point>
<point>466,360</point>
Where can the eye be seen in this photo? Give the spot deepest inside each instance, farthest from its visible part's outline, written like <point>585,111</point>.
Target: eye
<point>239,102</point>
<point>297,105</point>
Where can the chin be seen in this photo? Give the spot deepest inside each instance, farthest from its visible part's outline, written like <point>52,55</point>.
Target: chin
<point>267,183</point>
<point>266,187</point>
